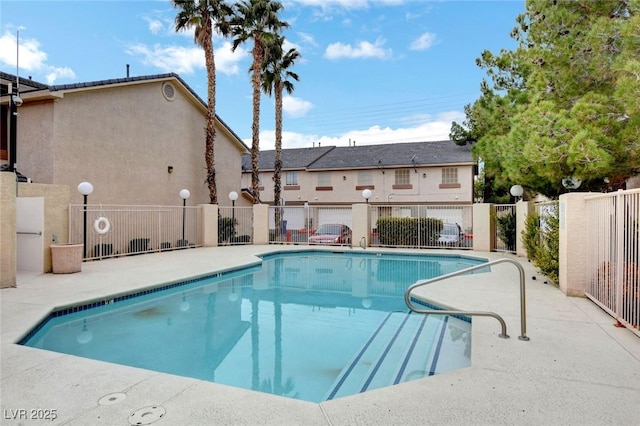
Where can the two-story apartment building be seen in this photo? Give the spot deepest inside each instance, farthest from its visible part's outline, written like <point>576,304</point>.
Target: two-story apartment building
<point>137,140</point>
<point>398,173</point>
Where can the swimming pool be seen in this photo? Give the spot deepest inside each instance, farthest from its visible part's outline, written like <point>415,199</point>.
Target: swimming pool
<point>310,325</point>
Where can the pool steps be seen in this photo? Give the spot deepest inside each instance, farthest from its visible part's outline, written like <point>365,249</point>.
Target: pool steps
<point>416,339</point>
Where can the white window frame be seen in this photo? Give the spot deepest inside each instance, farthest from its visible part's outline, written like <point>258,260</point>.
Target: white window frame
<point>449,175</point>
<point>365,177</point>
<point>291,178</point>
<point>323,179</point>
<point>403,177</point>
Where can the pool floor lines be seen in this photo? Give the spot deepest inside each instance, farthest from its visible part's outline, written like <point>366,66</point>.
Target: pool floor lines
<point>405,336</point>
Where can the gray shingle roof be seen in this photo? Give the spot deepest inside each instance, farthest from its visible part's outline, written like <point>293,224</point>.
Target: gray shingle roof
<point>26,84</point>
<point>294,158</point>
<point>367,156</point>
<point>395,155</point>
<point>88,84</point>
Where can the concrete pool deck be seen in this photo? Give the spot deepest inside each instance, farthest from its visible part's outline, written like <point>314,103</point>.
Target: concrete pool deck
<point>577,369</point>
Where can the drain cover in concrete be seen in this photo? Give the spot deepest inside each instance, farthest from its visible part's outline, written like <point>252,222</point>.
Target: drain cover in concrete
<point>112,398</point>
<point>146,415</point>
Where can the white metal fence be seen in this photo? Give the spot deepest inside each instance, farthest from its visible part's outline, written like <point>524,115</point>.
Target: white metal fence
<point>310,224</point>
<point>422,226</point>
<point>505,229</point>
<point>613,224</point>
<point>113,230</point>
<point>235,225</point>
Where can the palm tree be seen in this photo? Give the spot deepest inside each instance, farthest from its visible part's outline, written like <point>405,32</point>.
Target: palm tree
<point>276,78</point>
<point>257,20</point>
<point>205,16</point>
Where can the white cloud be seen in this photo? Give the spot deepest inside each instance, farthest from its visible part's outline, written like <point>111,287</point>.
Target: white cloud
<point>155,26</point>
<point>363,49</point>
<point>423,42</point>
<point>307,39</point>
<point>186,60</point>
<point>59,72</point>
<point>429,130</point>
<point>326,4</point>
<point>295,107</point>
<point>31,55</point>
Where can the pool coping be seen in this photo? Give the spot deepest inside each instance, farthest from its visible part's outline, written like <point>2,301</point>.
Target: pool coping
<point>494,361</point>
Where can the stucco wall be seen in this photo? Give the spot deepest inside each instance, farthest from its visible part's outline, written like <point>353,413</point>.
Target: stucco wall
<point>122,139</point>
<point>35,141</point>
<point>7,230</point>
<point>56,215</point>
<point>425,187</point>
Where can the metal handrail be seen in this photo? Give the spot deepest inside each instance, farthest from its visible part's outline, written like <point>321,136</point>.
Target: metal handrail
<point>503,334</point>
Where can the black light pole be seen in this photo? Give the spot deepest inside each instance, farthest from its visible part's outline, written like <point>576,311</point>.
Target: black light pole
<point>184,194</point>
<point>14,102</point>
<point>85,188</point>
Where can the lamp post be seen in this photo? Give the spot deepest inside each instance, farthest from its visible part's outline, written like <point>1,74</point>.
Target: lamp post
<point>14,102</point>
<point>366,194</point>
<point>184,194</point>
<point>233,196</point>
<point>516,191</point>
<point>85,188</point>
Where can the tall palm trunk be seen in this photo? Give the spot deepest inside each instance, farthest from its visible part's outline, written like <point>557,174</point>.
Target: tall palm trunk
<point>258,54</point>
<point>277,166</point>
<point>210,130</point>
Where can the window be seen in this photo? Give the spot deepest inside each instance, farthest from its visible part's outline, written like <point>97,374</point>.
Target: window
<point>365,177</point>
<point>402,177</point>
<point>449,175</point>
<point>291,178</point>
<point>324,179</point>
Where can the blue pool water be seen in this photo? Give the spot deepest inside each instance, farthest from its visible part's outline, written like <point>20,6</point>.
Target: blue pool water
<point>310,325</point>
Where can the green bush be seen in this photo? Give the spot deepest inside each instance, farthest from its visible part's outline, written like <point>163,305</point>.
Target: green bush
<point>507,229</point>
<point>541,238</point>
<point>408,231</point>
<point>226,229</point>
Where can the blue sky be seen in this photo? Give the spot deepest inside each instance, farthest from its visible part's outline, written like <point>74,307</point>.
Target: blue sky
<point>371,71</point>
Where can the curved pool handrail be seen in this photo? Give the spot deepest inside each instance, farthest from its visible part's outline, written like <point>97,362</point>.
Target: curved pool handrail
<point>503,334</point>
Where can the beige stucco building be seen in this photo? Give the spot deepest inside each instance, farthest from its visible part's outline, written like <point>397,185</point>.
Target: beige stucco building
<point>137,140</point>
<point>399,173</point>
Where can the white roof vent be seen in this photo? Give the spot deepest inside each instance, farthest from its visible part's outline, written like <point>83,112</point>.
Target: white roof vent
<point>168,91</point>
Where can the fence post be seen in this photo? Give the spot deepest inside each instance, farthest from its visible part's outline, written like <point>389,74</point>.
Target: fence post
<point>523,209</point>
<point>209,225</point>
<point>483,227</point>
<point>260,224</point>
<point>574,243</point>
<point>361,224</point>
<point>8,239</point>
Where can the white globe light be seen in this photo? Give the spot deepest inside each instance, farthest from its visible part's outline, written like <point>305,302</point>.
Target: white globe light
<point>233,195</point>
<point>85,188</point>
<point>366,303</point>
<point>366,194</point>
<point>517,190</point>
<point>571,182</point>
<point>185,194</point>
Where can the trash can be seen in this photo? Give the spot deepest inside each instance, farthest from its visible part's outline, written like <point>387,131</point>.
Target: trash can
<point>66,258</point>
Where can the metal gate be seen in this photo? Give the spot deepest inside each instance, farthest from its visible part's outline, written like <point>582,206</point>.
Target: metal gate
<point>613,223</point>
